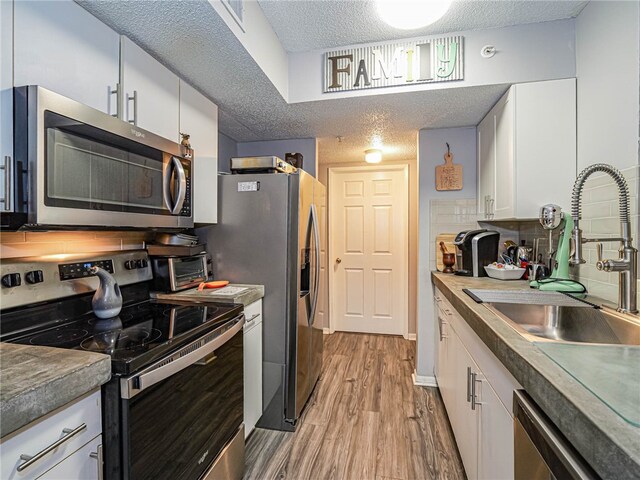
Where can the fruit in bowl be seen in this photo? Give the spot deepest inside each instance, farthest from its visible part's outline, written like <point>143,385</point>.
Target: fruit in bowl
<point>504,272</point>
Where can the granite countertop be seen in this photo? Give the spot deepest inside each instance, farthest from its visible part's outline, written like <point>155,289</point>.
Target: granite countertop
<point>250,294</point>
<point>36,380</point>
<point>609,443</point>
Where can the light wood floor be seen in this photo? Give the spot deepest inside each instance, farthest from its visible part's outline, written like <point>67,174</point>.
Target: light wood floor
<point>365,420</point>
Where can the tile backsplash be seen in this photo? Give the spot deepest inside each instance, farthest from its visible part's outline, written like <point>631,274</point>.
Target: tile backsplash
<point>600,218</point>
<point>27,244</point>
<point>449,216</point>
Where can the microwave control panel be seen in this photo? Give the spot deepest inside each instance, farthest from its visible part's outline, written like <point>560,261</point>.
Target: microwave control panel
<point>70,271</point>
<point>186,207</point>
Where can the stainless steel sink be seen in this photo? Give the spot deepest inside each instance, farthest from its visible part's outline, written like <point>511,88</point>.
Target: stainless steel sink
<point>583,324</point>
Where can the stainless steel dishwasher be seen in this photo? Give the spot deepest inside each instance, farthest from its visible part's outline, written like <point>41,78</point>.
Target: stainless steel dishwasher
<point>541,451</point>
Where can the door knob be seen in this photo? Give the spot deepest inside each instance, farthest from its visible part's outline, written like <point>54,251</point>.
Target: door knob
<point>338,260</point>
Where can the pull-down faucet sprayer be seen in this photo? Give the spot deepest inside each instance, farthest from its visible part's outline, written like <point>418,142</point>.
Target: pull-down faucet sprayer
<point>627,263</point>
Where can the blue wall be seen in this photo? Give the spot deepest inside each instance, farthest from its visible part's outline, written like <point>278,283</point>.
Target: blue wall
<point>431,149</point>
<point>305,146</point>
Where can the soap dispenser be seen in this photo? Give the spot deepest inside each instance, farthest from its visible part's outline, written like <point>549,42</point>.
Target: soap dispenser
<point>107,301</point>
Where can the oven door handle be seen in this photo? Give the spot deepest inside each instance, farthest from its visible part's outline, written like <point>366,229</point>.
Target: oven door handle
<point>183,358</point>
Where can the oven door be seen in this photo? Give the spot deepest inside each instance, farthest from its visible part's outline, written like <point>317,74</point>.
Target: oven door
<point>181,412</point>
<point>91,169</point>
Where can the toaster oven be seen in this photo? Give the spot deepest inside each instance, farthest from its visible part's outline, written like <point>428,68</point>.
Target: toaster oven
<point>171,274</point>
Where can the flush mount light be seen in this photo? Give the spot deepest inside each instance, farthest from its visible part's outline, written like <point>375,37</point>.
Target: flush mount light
<point>373,155</point>
<point>408,15</point>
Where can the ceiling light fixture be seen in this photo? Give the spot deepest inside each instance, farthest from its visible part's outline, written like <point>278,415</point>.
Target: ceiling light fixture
<point>373,155</point>
<point>408,15</point>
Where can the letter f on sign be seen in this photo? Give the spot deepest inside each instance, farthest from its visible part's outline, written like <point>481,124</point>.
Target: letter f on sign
<point>335,70</point>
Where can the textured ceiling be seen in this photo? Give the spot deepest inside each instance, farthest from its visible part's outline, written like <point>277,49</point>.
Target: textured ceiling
<point>314,24</point>
<point>396,119</point>
<point>192,40</point>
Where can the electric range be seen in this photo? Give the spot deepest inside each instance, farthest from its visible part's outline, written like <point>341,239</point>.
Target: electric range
<point>173,407</point>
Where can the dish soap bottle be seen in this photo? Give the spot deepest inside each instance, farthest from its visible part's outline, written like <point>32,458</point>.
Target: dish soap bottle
<point>107,301</point>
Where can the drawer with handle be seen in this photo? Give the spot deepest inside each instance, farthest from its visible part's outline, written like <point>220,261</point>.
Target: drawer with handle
<point>252,314</point>
<point>41,445</point>
<point>84,464</point>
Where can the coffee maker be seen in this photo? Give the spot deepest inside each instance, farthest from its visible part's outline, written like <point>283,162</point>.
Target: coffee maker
<point>475,249</point>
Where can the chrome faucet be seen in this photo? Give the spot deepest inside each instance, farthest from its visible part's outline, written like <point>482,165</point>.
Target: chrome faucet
<point>627,262</point>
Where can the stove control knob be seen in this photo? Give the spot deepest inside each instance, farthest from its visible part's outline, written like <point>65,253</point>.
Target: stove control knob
<point>141,263</point>
<point>11,280</point>
<point>130,265</point>
<point>35,276</point>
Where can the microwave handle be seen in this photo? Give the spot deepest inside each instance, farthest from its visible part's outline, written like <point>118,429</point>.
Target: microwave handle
<point>182,190</point>
<point>175,166</point>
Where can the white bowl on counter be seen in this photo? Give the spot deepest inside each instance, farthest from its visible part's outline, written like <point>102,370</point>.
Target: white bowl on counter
<point>504,273</point>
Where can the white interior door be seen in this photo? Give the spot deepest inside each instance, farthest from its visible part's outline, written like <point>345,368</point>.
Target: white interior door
<point>368,230</point>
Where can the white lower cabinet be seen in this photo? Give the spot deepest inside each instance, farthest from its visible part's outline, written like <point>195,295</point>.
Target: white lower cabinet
<point>83,464</point>
<point>72,459</point>
<point>252,366</point>
<point>495,434</point>
<point>476,390</point>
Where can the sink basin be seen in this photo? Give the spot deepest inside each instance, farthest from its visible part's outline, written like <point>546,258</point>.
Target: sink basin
<point>582,324</point>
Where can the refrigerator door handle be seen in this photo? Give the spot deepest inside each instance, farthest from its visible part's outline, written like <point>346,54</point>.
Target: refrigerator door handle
<point>316,282</point>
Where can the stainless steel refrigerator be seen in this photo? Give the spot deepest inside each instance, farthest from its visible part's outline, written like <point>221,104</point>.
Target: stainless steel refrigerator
<point>268,233</point>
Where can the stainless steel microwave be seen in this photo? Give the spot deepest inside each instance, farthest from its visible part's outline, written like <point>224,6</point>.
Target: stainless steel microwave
<point>79,167</point>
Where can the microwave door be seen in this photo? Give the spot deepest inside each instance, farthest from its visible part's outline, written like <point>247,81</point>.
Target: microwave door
<point>92,170</point>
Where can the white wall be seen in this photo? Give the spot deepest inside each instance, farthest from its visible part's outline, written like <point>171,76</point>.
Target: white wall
<point>306,146</point>
<point>525,53</point>
<point>260,41</point>
<point>608,72</point>
<point>431,149</point>
<point>607,68</point>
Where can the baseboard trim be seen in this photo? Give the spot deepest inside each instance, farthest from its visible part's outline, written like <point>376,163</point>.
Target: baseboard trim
<point>326,331</point>
<point>424,380</point>
<point>411,336</point>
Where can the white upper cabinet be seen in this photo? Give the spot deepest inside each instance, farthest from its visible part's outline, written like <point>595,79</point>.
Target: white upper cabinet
<point>62,47</point>
<point>527,150</point>
<point>486,165</point>
<point>151,92</point>
<point>199,119</point>
<point>504,200</point>
<point>6,104</point>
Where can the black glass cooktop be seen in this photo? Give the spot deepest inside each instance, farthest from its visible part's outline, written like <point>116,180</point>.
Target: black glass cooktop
<point>140,334</point>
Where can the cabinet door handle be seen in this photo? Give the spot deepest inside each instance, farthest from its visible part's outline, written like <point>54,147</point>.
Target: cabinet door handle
<point>98,456</point>
<point>133,99</point>
<point>441,328</point>
<point>492,202</point>
<point>474,396</point>
<point>247,322</point>
<point>7,183</point>
<point>468,384</point>
<point>30,460</point>
<point>118,93</point>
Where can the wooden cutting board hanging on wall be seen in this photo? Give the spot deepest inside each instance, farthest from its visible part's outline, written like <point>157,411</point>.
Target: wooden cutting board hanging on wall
<point>448,176</point>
